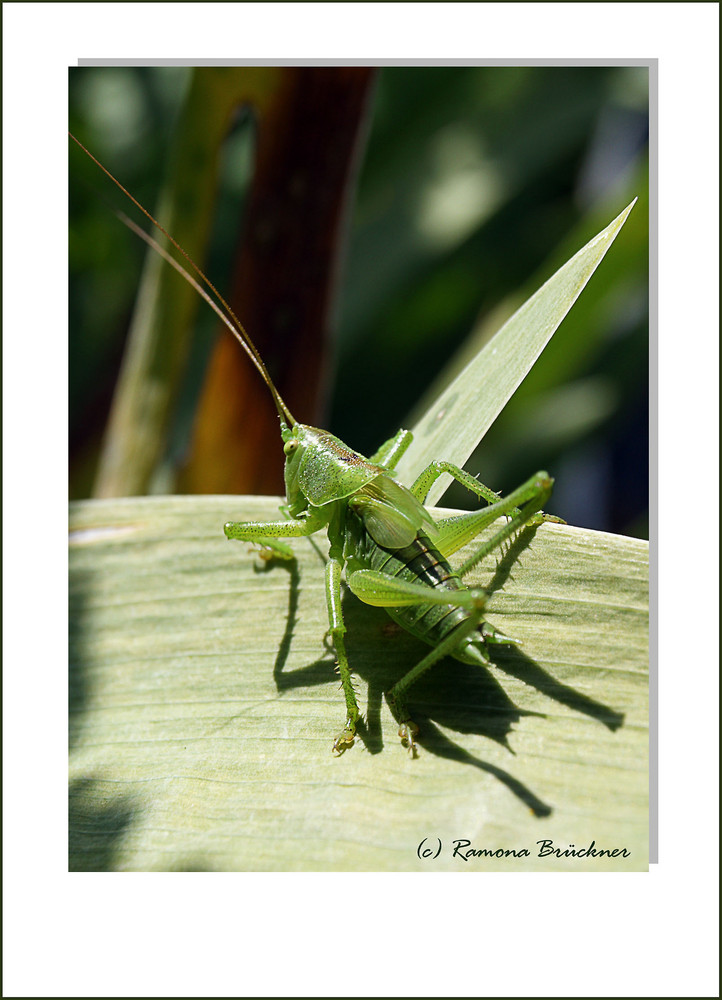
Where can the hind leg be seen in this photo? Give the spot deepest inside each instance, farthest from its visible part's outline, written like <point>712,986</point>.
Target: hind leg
<point>383,590</point>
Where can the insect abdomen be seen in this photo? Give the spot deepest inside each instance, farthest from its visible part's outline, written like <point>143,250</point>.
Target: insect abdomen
<point>421,562</point>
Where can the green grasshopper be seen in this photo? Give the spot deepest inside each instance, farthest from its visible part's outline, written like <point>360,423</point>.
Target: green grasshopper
<point>382,538</point>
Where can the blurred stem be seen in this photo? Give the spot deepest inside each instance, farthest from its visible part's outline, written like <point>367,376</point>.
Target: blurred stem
<point>284,280</point>
<point>309,121</point>
<point>159,337</point>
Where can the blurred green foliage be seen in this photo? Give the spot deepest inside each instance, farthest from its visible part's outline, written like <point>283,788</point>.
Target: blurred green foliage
<point>475,184</point>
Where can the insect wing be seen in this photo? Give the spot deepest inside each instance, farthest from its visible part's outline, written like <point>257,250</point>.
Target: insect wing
<point>392,515</point>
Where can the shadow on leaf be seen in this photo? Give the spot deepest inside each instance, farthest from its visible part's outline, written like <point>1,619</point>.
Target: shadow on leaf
<point>456,696</point>
<point>96,826</point>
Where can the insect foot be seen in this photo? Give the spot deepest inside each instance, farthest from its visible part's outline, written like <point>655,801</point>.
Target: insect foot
<point>269,551</point>
<point>344,740</point>
<point>407,731</point>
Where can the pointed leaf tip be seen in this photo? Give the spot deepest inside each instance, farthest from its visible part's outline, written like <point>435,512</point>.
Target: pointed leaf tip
<point>460,417</point>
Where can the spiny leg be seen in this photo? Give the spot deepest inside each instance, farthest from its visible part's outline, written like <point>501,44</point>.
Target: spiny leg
<point>460,529</point>
<point>397,695</point>
<point>464,530</point>
<point>383,590</point>
<point>523,504</point>
<point>431,473</point>
<point>266,533</point>
<point>337,631</point>
<point>522,507</point>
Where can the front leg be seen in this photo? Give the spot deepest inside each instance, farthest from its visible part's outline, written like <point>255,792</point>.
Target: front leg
<point>266,533</point>
<point>391,451</point>
<point>431,473</point>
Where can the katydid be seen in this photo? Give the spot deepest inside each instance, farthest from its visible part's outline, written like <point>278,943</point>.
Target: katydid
<point>381,536</point>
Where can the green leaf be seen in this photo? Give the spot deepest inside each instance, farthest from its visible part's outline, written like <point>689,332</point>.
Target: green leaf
<point>458,420</point>
<point>204,704</point>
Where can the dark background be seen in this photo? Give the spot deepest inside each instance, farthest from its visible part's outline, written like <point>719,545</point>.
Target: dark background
<point>473,186</point>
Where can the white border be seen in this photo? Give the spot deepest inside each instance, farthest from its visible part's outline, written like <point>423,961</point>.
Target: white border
<point>329,935</point>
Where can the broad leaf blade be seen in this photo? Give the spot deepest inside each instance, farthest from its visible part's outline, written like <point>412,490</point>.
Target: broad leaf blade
<point>204,703</point>
<point>463,413</point>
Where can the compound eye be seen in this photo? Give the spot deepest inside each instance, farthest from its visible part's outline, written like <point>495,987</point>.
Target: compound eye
<point>290,446</point>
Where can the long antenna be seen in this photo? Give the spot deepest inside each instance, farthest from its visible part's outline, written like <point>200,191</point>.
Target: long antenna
<point>233,324</point>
